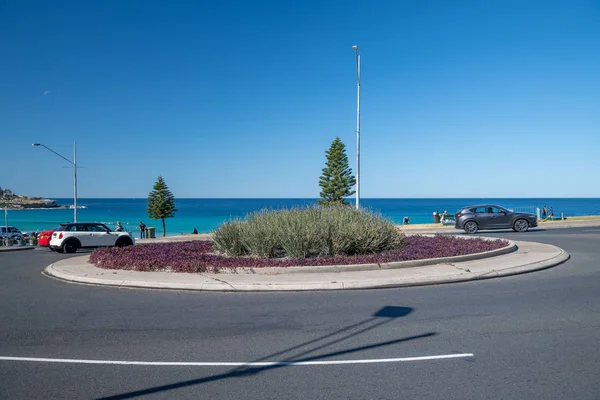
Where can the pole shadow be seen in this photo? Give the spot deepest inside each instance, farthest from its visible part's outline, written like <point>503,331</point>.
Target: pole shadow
<point>388,313</point>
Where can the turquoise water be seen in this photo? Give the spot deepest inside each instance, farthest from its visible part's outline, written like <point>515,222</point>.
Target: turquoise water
<point>206,214</point>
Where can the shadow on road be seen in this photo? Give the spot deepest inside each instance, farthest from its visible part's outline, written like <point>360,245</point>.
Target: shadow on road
<point>388,313</point>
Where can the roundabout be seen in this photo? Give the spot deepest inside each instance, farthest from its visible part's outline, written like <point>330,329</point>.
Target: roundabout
<point>517,257</point>
<point>531,335</point>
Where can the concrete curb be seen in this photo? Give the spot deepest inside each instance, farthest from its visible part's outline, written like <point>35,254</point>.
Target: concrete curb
<point>516,270</point>
<point>392,265</point>
<point>531,267</point>
<point>16,248</point>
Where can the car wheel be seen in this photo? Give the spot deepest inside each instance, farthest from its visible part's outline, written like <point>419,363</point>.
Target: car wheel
<point>521,225</point>
<point>70,246</point>
<point>471,227</point>
<point>123,243</point>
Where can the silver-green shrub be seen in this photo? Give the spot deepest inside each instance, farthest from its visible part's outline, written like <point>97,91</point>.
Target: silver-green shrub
<point>228,238</point>
<point>308,232</point>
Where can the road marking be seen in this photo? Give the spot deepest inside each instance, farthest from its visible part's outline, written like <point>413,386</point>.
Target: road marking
<point>236,364</point>
<point>591,230</point>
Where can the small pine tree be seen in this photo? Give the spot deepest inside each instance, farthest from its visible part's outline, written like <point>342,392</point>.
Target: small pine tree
<point>161,203</point>
<point>337,179</point>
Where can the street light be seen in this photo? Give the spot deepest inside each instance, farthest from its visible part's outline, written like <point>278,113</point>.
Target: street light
<point>355,48</point>
<point>74,164</point>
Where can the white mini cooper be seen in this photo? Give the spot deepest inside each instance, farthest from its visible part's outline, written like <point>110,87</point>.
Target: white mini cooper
<point>72,236</point>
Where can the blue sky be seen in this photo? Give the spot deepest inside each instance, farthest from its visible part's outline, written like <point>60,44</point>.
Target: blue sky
<point>243,98</point>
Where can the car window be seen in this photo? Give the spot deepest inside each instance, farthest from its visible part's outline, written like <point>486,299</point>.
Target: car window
<point>80,228</point>
<point>481,210</point>
<point>97,228</point>
<point>65,228</point>
<point>496,210</point>
<point>13,229</point>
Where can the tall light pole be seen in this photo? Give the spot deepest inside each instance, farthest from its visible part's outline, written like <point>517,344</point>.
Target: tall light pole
<point>74,164</point>
<point>355,48</point>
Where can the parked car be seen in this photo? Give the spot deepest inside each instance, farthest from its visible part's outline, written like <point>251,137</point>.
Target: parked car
<point>13,232</point>
<point>487,216</point>
<point>72,236</point>
<point>45,236</point>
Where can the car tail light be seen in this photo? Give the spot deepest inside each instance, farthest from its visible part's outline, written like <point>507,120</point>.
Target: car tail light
<point>459,215</point>
<point>60,236</point>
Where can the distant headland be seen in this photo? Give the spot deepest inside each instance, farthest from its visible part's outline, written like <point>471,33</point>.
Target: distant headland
<point>10,200</point>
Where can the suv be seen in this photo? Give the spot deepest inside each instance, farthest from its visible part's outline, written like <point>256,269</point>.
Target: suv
<point>72,236</point>
<point>13,233</point>
<point>474,218</point>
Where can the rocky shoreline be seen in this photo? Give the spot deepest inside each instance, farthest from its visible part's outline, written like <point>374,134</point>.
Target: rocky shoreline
<point>22,204</point>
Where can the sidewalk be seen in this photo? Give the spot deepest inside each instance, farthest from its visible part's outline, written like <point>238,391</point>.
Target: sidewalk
<point>417,229</point>
<point>528,257</point>
<point>573,222</point>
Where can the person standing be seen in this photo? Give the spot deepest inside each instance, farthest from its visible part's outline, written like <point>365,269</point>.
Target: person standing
<point>544,212</point>
<point>142,230</point>
<point>551,212</point>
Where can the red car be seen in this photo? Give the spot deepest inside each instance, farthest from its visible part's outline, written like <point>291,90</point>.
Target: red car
<point>44,237</point>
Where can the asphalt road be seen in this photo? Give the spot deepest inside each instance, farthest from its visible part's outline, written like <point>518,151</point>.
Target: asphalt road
<point>533,336</point>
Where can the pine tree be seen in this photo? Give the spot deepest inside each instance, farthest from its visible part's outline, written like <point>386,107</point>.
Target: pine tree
<point>337,179</point>
<point>161,203</point>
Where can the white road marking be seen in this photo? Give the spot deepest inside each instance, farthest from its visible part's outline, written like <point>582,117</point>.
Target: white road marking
<point>236,364</point>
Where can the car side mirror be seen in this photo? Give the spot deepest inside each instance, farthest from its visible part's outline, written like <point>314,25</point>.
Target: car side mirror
<point>107,230</point>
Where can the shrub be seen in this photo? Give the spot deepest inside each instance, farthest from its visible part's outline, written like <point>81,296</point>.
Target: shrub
<point>229,236</point>
<point>308,232</point>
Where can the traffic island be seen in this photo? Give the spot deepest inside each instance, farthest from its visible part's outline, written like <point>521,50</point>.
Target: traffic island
<point>519,257</point>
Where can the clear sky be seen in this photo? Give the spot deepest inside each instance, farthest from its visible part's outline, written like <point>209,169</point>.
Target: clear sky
<point>243,98</point>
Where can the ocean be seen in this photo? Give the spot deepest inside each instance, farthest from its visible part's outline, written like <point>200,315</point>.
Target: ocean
<point>207,214</point>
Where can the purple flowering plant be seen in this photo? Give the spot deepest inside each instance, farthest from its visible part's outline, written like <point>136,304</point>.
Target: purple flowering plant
<point>199,256</point>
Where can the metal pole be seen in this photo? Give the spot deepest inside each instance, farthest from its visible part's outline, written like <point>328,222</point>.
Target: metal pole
<point>74,164</point>
<point>75,181</point>
<point>358,131</point>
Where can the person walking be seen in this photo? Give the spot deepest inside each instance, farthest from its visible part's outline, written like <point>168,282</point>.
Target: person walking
<point>551,212</point>
<point>544,212</point>
<point>142,230</point>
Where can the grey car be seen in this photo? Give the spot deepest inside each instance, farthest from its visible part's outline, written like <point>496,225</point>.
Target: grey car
<point>488,216</point>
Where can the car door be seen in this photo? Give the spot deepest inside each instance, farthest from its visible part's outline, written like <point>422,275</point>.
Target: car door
<point>499,218</point>
<point>85,237</point>
<point>100,236</point>
<point>482,216</point>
